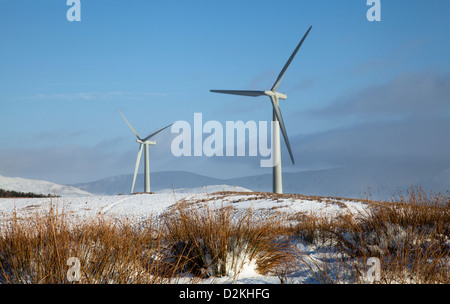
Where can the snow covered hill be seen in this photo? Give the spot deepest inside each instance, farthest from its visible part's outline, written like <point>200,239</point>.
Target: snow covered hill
<point>39,187</point>
<point>377,182</point>
<point>139,207</point>
<point>205,189</point>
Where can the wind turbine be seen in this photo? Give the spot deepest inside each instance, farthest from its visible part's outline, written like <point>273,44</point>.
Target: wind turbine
<point>277,118</point>
<point>143,143</point>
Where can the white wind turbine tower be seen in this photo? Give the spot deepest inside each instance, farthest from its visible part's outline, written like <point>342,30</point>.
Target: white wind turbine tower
<point>277,118</point>
<point>143,143</point>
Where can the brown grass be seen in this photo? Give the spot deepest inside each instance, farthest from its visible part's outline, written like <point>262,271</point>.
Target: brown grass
<point>188,244</point>
<point>410,236</point>
<point>216,243</point>
<point>37,250</point>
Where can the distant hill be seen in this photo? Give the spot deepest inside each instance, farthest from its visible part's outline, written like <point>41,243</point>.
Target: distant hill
<point>352,182</point>
<point>377,182</point>
<point>121,184</point>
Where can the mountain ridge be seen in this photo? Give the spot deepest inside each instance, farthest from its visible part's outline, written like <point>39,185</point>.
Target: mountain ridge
<point>352,182</point>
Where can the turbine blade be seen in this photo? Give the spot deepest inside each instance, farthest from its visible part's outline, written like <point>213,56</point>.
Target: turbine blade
<point>137,166</point>
<point>153,134</point>
<point>283,71</point>
<point>283,129</point>
<point>134,131</point>
<point>237,92</point>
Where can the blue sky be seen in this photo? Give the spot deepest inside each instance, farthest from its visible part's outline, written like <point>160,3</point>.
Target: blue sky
<point>358,91</point>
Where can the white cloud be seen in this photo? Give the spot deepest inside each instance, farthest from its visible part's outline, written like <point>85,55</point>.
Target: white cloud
<point>98,95</point>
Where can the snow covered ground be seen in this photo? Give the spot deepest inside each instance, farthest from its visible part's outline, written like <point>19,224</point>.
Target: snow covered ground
<point>138,207</point>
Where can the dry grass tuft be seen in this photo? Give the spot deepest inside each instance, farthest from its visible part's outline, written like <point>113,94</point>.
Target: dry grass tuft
<point>216,243</point>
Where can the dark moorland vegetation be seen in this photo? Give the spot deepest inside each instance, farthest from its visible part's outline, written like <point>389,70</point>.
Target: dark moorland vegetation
<point>10,193</point>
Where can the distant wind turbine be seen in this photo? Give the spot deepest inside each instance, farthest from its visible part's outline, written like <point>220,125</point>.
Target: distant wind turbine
<point>277,118</point>
<point>143,142</point>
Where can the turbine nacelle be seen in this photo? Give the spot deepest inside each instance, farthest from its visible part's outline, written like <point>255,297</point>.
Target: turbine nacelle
<point>277,95</point>
<point>148,142</point>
